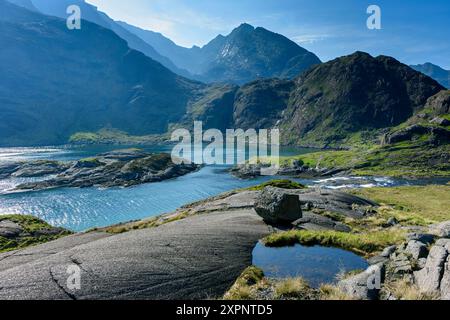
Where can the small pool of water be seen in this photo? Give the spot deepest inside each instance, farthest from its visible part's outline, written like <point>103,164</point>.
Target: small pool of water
<point>317,265</point>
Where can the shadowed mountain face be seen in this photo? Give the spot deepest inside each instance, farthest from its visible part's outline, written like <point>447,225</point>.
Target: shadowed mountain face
<point>55,82</point>
<point>246,54</point>
<point>437,73</point>
<point>90,13</point>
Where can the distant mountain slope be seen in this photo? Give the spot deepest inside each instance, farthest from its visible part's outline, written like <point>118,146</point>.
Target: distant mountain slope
<point>180,56</point>
<point>55,82</point>
<point>89,12</point>
<point>353,93</point>
<point>245,55</point>
<point>329,105</point>
<point>437,73</point>
<point>24,3</point>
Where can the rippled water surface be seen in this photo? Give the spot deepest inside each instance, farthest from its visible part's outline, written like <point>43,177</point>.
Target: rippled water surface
<point>81,209</point>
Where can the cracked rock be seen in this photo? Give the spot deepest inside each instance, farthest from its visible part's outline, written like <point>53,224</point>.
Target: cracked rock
<point>429,278</point>
<point>416,249</point>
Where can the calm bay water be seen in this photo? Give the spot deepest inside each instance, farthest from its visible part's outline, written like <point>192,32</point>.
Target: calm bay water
<point>81,209</point>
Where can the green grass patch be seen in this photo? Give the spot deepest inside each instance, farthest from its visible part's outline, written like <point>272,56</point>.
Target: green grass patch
<point>412,205</point>
<point>282,184</point>
<point>34,232</point>
<point>361,243</point>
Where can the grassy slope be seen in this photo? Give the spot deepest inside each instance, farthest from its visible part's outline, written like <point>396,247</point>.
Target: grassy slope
<point>405,159</point>
<point>411,206</point>
<point>113,136</point>
<point>35,231</point>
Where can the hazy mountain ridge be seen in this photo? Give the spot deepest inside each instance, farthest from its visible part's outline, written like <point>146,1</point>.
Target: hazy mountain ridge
<point>244,55</point>
<point>437,73</point>
<point>24,4</point>
<point>56,82</point>
<point>90,13</point>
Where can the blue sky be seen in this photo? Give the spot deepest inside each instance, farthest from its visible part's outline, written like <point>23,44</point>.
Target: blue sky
<point>413,31</point>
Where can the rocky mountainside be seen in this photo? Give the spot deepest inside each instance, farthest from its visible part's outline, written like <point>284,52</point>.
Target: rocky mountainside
<point>56,82</point>
<point>351,94</point>
<point>332,102</point>
<point>437,73</point>
<point>246,54</point>
<point>90,13</point>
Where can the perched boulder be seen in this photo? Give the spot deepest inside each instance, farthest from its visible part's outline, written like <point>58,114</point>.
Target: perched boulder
<point>416,249</point>
<point>429,278</point>
<point>277,206</point>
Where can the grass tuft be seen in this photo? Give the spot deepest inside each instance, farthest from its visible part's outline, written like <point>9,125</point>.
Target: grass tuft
<point>292,288</point>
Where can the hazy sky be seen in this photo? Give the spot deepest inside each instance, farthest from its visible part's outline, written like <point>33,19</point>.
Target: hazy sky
<point>413,31</point>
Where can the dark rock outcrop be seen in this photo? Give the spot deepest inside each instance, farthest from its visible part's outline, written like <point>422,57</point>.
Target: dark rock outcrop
<point>118,168</point>
<point>439,135</point>
<point>277,206</point>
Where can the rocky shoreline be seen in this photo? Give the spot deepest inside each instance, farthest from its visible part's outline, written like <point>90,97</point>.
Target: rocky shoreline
<point>294,168</point>
<point>209,237</point>
<point>121,168</point>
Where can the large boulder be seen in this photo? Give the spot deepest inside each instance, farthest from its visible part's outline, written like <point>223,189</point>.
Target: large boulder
<point>442,230</point>
<point>429,278</point>
<point>416,249</point>
<point>278,206</point>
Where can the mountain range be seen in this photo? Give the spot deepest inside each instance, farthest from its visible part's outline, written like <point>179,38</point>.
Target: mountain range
<point>90,13</point>
<point>439,74</point>
<point>56,82</point>
<point>246,54</point>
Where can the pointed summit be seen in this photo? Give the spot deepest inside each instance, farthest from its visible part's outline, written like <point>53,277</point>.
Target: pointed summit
<point>244,27</point>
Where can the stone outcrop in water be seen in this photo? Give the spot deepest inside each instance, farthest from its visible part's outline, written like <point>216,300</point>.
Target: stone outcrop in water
<point>122,168</point>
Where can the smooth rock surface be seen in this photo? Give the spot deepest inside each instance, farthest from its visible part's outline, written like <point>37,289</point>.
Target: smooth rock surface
<point>311,221</point>
<point>199,257</point>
